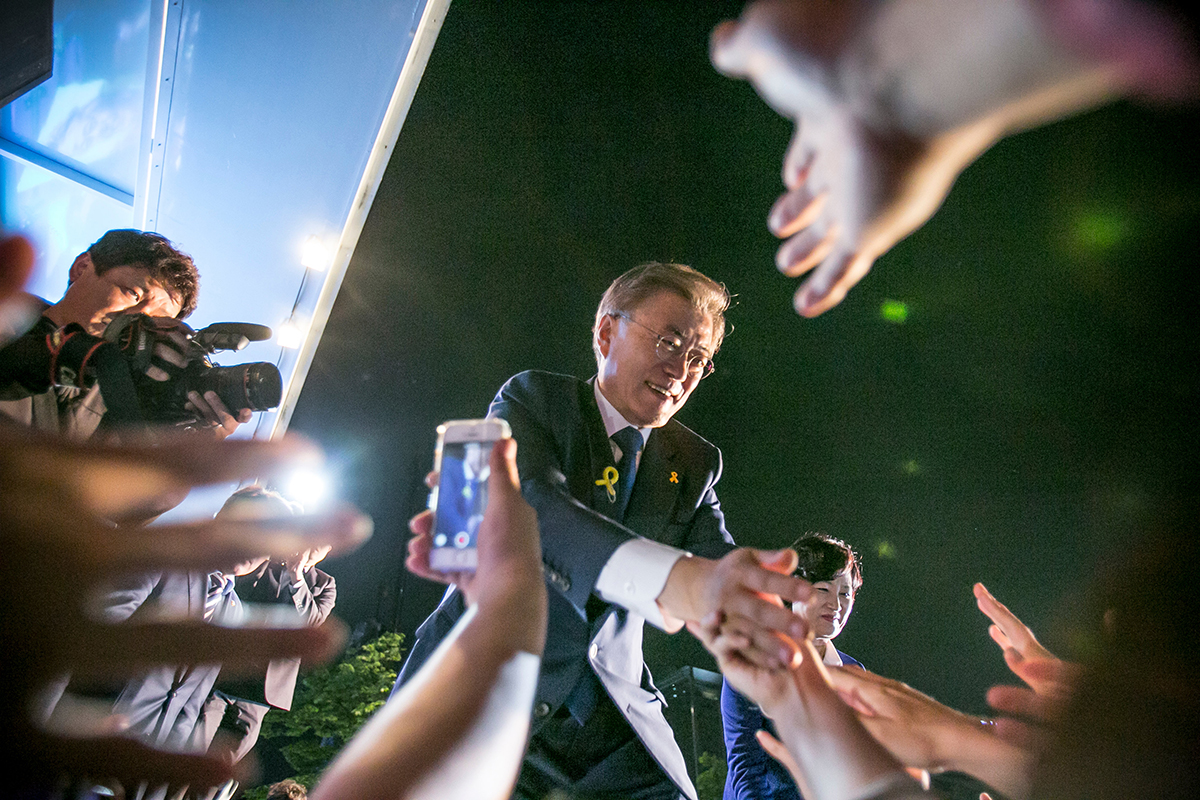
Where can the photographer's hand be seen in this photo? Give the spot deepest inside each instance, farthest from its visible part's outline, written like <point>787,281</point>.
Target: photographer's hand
<point>209,409</point>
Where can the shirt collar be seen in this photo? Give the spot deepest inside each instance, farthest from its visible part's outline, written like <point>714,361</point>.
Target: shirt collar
<point>613,421</point>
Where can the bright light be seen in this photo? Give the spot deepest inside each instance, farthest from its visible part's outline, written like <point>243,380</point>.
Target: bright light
<point>290,334</point>
<point>894,311</point>
<point>314,254</point>
<point>308,487</point>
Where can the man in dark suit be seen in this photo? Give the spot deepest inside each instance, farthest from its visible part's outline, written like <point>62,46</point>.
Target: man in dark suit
<point>631,530</point>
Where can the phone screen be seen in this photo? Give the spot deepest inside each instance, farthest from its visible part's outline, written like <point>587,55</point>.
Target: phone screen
<point>461,501</point>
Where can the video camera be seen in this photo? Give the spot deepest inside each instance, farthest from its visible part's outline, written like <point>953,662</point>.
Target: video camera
<point>257,386</point>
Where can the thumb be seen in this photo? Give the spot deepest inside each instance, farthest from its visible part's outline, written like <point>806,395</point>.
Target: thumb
<point>778,751</point>
<point>783,561</point>
<point>503,463</point>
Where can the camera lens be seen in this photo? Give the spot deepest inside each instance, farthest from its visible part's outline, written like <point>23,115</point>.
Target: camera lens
<point>257,386</point>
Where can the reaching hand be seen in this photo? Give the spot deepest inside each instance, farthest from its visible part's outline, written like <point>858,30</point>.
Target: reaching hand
<point>768,687</point>
<point>1049,678</point>
<point>58,547</point>
<point>828,752</point>
<point>892,100</point>
<point>918,730</point>
<point>1015,638</point>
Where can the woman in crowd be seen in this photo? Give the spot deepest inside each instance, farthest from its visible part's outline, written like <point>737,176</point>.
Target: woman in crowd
<point>831,566</point>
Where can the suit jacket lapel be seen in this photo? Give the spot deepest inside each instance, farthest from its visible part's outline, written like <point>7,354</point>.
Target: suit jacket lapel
<point>659,477</point>
<point>600,455</point>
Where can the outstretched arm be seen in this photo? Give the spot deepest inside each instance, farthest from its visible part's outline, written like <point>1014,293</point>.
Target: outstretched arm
<point>459,727</point>
<point>921,732</point>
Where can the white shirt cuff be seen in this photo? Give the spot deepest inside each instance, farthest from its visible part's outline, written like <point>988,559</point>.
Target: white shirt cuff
<point>635,575</point>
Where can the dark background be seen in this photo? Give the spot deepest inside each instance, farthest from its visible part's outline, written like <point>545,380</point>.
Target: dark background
<point>1027,416</point>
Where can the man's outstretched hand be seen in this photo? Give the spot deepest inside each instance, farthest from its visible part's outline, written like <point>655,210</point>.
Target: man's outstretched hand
<point>748,593</point>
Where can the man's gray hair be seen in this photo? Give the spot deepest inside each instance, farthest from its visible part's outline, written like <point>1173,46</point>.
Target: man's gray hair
<point>644,281</point>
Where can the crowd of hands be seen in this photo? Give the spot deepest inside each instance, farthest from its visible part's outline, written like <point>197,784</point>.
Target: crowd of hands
<point>854,185</point>
<point>60,547</point>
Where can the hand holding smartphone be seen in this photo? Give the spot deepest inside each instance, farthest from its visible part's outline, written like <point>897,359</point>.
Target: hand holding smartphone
<point>464,448</point>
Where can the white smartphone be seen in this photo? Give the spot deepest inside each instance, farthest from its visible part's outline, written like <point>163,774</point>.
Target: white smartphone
<point>464,449</point>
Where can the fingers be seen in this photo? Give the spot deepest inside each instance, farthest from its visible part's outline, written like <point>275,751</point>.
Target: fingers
<point>503,462</point>
<point>999,638</point>
<point>105,651</point>
<point>1018,634</point>
<point>751,642</point>
<point>420,546</point>
<point>829,284</point>
<point>124,760</point>
<point>508,534</point>
<point>1022,702</point>
<point>748,587</point>
<point>776,750</point>
<point>794,211</point>
<point>806,250</point>
<point>210,409</point>
<point>769,572</point>
<point>866,687</point>
<point>108,480</point>
<point>220,542</point>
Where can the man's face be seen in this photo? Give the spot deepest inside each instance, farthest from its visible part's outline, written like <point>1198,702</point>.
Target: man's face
<point>648,391</point>
<point>94,300</point>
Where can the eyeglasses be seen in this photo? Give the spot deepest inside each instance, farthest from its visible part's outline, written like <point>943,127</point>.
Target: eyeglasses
<point>670,348</point>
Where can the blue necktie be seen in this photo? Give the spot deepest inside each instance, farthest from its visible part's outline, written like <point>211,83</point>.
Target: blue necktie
<point>630,441</point>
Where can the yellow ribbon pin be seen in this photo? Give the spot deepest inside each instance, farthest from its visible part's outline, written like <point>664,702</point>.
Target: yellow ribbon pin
<point>609,482</point>
<point>674,477</point>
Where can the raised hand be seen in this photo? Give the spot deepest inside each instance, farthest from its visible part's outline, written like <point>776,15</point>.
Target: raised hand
<point>1049,679</point>
<point>892,100</point>
<point>509,571</point>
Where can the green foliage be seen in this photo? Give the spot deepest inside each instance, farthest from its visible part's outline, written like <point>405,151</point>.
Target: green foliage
<point>332,703</point>
<point>710,783</point>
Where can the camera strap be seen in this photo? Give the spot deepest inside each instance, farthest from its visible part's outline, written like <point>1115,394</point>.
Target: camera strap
<point>122,407</point>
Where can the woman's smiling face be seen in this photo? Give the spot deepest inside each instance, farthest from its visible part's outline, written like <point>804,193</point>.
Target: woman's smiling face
<point>827,611</point>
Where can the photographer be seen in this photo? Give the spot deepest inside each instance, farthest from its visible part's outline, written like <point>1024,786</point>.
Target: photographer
<point>55,377</point>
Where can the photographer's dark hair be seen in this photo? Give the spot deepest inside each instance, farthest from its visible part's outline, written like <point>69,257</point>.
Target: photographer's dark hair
<point>171,267</point>
<point>822,557</point>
